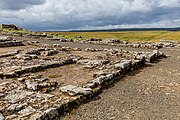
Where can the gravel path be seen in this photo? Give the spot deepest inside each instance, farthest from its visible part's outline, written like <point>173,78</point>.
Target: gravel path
<point>152,93</point>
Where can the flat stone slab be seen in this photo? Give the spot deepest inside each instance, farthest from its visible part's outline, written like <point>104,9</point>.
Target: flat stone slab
<point>27,111</point>
<point>17,95</point>
<point>75,90</point>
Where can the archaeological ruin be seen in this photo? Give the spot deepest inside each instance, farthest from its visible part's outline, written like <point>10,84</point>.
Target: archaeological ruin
<point>42,82</point>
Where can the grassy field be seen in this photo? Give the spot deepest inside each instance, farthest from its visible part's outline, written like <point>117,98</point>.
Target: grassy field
<point>132,36</point>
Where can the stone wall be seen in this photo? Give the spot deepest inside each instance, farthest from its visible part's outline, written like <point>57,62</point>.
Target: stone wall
<point>34,68</point>
<point>9,26</point>
<point>9,41</point>
<point>9,54</point>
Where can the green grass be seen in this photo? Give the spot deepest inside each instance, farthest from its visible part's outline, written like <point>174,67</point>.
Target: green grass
<point>132,36</point>
<point>9,30</point>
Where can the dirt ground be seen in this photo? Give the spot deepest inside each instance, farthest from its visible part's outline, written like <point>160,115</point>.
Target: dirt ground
<point>5,50</point>
<point>76,74</point>
<point>70,74</point>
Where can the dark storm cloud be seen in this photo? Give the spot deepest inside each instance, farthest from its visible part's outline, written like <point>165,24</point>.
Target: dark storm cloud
<point>18,4</point>
<point>90,14</point>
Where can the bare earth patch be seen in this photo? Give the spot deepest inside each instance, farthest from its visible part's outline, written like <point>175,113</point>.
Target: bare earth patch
<point>70,74</point>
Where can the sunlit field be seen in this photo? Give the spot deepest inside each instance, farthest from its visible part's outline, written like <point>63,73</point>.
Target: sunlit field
<point>132,36</point>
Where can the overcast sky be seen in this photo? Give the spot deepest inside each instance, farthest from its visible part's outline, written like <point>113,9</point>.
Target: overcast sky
<point>90,14</point>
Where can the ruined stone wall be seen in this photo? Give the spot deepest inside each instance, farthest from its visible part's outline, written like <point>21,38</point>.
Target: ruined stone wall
<point>9,41</point>
<point>9,26</point>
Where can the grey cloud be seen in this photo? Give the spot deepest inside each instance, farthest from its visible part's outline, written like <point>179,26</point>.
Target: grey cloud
<point>18,4</point>
<point>77,14</point>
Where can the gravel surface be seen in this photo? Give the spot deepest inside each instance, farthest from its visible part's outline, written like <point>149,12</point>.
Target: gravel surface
<point>152,93</point>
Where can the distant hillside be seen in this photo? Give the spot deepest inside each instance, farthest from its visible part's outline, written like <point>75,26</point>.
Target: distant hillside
<point>130,29</point>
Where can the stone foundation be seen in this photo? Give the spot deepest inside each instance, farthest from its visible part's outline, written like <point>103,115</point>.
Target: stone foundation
<point>9,42</point>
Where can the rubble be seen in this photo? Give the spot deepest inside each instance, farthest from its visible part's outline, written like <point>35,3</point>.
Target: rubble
<point>125,64</point>
<point>32,85</point>
<point>5,38</point>
<point>50,52</point>
<point>17,95</point>
<point>15,107</point>
<point>1,117</point>
<point>74,90</point>
<point>10,54</point>
<point>9,41</point>
<point>27,111</point>
<point>92,63</point>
